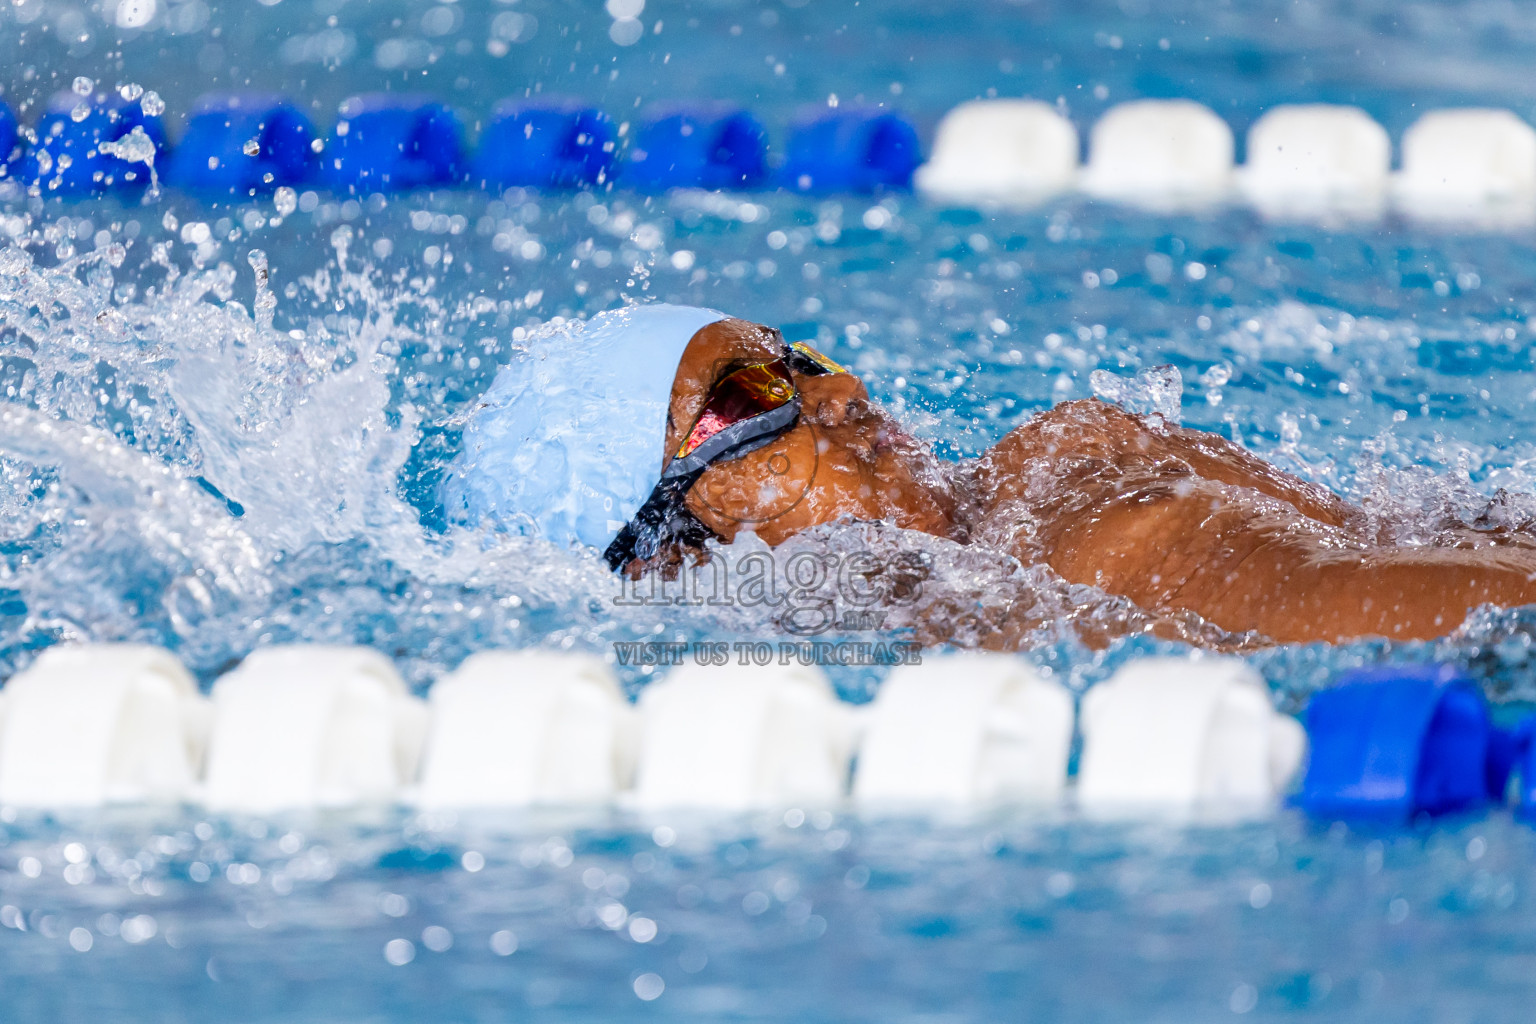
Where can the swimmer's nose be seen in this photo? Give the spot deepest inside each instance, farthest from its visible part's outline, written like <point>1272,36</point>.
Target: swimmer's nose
<point>834,397</point>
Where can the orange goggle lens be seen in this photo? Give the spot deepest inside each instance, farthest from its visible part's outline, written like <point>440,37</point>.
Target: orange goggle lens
<point>740,395</point>
<point>820,363</point>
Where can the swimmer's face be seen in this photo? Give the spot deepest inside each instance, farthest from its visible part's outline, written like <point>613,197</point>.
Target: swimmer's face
<point>844,459</point>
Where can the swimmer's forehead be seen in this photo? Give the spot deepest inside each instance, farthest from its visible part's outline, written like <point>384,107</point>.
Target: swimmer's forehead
<point>711,353</point>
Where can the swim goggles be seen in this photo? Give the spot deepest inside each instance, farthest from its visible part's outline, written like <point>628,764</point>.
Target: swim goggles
<point>746,409</point>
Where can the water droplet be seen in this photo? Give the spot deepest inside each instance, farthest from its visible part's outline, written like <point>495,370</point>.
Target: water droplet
<point>285,200</point>
<point>152,104</point>
<point>138,929</point>
<point>1244,998</point>
<point>252,147</point>
<point>626,31</point>
<point>131,91</point>
<point>399,952</point>
<point>266,302</point>
<point>649,986</point>
<point>1290,431</point>
<point>80,112</point>
<point>136,147</point>
<point>1217,375</point>
<point>83,86</point>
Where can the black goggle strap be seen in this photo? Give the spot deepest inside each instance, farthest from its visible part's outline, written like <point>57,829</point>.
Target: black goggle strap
<point>736,440</point>
<point>664,517</point>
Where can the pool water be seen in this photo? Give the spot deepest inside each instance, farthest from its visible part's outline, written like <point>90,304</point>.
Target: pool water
<point>781,917</point>
<point>195,459</point>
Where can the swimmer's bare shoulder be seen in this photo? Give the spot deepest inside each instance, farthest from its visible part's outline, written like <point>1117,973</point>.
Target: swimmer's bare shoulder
<point>1091,446</point>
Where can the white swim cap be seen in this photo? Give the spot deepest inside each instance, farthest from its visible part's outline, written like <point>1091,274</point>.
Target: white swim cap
<point>567,442</point>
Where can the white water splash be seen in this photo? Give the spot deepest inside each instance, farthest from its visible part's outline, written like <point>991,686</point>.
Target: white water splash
<point>136,148</point>
<point>1156,391</point>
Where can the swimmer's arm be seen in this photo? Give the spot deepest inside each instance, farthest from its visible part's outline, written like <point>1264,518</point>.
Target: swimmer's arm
<point>1416,594</point>
<point>1246,563</point>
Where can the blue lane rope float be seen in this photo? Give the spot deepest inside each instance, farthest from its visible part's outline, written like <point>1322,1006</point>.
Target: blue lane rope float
<point>67,158</point>
<point>851,151</point>
<point>1519,744</point>
<point>1508,751</point>
<point>10,139</point>
<point>243,144</point>
<point>1393,742</point>
<point>544,144</point>
<point>388,143</point>
<point>698,147</point>
<point>393,143</point>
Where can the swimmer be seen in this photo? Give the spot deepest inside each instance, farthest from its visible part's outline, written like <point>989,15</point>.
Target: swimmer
<point>657,428</point>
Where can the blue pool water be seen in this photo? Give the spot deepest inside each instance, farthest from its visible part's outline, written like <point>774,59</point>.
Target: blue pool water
<point>817,917</point>
<point>190,460</point>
